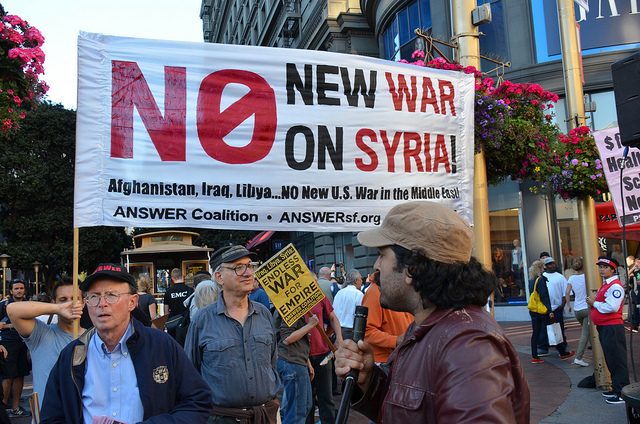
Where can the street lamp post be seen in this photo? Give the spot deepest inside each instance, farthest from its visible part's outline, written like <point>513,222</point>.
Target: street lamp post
<point>4,258</point>
<point>466,35</point>
<point>36,267</point>
<point>586,205</point>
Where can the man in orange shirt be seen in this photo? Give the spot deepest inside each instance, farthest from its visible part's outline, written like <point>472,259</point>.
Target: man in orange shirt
<point>385,328</point>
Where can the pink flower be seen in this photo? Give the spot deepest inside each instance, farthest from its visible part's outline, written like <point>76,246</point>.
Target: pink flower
<point>6,124</point>
<point>15,20</point>
<point>23,115</point>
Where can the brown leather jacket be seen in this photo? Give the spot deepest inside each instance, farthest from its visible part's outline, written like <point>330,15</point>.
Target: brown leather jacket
<point>456,367</point>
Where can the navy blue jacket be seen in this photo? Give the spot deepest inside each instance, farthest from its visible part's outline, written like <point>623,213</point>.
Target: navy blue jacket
<point>171,390</point>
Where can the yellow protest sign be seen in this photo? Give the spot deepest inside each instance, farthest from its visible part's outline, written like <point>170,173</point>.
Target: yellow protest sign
<point>289,284</point>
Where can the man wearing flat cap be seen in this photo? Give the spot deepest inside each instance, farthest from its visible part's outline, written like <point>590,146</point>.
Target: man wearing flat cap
<point>120,368</point>
<point>455,364</point>
<point>606,314</point>
<point>233,345</point>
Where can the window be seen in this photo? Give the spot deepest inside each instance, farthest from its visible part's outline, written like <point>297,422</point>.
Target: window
<point>399,37</point>
<point>493,42</point>
<point>605,112</point>
<point>403,27</point>
<point>504,223</point>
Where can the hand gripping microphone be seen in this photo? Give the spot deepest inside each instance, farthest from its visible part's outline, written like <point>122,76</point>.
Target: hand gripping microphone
<point>359,327</point>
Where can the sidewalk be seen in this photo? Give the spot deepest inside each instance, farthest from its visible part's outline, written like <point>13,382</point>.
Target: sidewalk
<point>555,397</point>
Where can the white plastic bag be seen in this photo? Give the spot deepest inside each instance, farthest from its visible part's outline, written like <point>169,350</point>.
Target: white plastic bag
<point>554,332</point>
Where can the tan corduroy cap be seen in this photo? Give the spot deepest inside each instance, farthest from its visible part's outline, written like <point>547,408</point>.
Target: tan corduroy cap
<point>440,232</point>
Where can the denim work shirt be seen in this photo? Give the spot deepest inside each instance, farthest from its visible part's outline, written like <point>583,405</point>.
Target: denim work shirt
<point>111,386</point>
<point>239,362</point>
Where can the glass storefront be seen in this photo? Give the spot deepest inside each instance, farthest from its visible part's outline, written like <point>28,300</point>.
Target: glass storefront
<point>507,254</point>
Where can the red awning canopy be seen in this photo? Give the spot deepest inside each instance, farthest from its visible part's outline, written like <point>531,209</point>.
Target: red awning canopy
<point>607,220</point>
<point>260,238</point>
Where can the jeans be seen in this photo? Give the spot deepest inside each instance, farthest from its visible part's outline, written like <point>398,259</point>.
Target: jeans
<point>583,318</point>
<point>539,325</point>
<point>558,317</point>
<point>322,385</point>
<point>296,401</point>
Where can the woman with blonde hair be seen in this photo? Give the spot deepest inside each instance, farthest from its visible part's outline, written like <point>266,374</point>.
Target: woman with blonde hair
<point>146,301</point>
<point>539,341</point>
<point>578,285</point>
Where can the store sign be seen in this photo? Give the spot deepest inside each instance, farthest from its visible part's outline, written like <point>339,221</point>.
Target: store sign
<point>607,23</point>
<point>583,4</point>
<point>239,137</point>
<point>625,196</point>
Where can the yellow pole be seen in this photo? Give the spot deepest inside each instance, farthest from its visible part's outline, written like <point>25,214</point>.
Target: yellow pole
<point>586,206</point>
<point>468,54</point>
<point>76,294</point>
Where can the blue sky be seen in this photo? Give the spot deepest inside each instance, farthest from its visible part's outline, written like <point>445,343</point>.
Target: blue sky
<point>60,22</point>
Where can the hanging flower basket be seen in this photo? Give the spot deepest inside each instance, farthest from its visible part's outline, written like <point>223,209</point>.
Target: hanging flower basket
<point>576,170</point>
<point>514,128</point>
<point>21,59</point>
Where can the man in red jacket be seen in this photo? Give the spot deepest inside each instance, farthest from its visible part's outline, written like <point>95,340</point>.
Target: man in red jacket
<point>606,313</point>
<point>455,364</point>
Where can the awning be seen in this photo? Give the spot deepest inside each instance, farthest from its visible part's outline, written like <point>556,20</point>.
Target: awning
<point>260,238</point>
<point>607,220</point>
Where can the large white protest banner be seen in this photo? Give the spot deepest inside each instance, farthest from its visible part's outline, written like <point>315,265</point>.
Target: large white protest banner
<point>239,137</point>
<point>625,197</point>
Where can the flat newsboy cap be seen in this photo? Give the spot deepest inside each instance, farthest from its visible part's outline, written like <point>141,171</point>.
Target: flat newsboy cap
<point>229,254</point>
<point>109,272</point>
<point>438,231</point>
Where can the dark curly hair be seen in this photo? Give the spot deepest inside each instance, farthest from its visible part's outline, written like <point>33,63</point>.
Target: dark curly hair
<point>455,285</point>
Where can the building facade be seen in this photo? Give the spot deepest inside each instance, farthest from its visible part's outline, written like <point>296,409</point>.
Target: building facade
<point>522,33</point>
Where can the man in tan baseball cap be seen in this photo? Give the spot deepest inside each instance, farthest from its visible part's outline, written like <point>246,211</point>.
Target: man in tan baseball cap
<point>455,363</point>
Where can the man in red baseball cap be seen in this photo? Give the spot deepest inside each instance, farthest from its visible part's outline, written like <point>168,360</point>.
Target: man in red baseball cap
<point>606,313</point>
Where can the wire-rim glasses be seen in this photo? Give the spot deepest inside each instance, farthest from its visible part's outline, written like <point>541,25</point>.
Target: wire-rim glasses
<point>93,299</point>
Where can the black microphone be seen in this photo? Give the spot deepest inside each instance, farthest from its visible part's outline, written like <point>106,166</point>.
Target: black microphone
<point>359,328</point>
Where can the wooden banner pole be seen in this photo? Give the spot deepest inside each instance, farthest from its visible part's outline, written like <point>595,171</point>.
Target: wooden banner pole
<point>76,292</point>
<point>323,334</point>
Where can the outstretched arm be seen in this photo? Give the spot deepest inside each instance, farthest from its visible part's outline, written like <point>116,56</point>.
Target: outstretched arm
<point>23,314</point>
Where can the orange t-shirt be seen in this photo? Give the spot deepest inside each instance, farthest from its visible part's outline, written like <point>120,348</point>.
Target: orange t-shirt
<point>383,325</point>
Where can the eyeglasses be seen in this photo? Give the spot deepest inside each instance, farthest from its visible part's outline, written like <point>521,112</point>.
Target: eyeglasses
<point>110,297</point>
<point>242,268</point>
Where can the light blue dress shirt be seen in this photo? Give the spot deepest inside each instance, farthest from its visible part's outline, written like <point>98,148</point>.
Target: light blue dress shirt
<point>111,386</point>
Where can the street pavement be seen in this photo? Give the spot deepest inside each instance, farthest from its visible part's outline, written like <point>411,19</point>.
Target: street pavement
<point>555,395</point>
